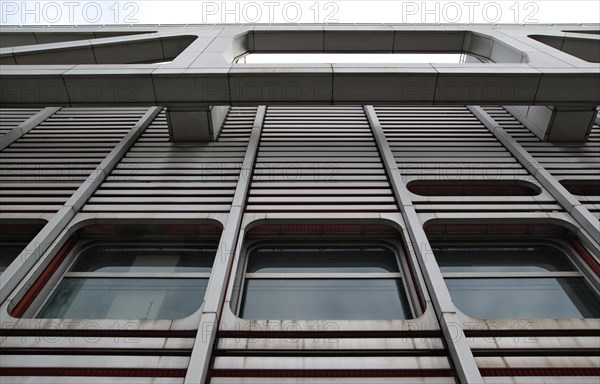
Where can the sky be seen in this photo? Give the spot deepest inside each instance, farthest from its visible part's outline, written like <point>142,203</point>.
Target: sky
<point>101,12</point>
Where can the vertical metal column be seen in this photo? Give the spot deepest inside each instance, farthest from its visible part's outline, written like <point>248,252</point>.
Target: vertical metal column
<point>13,275</point>
<point>583,217</point>
<point>454,335</point>
<point>217,284</point>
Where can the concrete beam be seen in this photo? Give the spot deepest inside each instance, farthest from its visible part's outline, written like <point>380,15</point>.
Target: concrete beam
<point>556,124</point>
<point>523,71</point>
<point>511,84</point>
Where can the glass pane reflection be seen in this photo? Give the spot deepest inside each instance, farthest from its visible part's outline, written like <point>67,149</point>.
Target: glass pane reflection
<point>322,260</point>
<point>145,258</point>
<point>325,299</point>
<point>501,258</point>
<point>106,298</point>
<point>531,298</point>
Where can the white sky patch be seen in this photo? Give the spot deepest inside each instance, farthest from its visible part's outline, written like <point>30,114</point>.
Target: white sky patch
<point>99,12</point>
<point>349,58</point>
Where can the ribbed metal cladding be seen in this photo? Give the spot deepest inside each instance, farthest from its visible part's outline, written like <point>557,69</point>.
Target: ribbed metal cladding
<point>10,118</point>
<point>329,358</point>
<point>91,357</point>
<point>537,359</point>
<point>238,124</point>
<point>42,169</point>
<point>574,165</point>
<point>447,146</point>
<point>318,159</point>
<point>158,175</point>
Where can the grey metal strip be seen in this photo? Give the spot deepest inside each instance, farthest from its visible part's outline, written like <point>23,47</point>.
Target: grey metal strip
<point>42,241</point>
<point>27,126</point>
<point>578,211</point>
<point>217,284</point>
<point>459,349</point>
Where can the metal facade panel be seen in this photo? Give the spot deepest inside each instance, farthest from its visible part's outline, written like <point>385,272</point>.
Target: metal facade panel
<point>449,146</point>
<point>572,164</point>
<point>318,159</point>
<point>158,175</point>
<point>41,170</point>
<point>312,163</point>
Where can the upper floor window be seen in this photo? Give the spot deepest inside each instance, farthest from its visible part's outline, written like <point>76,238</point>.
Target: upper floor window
<point>132,281</point>
<point>515,281</point>
<point>149,271</point>
<point>324,281</point>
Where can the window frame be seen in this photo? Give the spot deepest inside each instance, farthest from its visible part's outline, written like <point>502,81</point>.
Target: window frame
<point>83,245</point>
<point>581,270</point>
<point>399,257</point>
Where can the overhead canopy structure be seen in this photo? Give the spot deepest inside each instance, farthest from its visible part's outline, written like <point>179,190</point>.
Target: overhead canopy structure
<point>549,75</point>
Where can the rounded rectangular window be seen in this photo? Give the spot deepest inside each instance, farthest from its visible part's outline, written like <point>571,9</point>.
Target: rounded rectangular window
<point>146,281</point>
<point>324,282</point>
<point>525,281</point>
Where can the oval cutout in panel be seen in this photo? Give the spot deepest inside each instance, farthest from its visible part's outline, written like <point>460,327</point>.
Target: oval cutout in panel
<point>472,188</point>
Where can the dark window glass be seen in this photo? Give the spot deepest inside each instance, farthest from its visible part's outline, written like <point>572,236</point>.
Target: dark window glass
<point>9,252</point>
<point>328,296</point>
<point>469,188</point>
<point>127,297</point>
<point>108,298</point>
<point>524,298</point>
<point>476,258</point>
<point>322,260</point>
<point>143,258</point>
<point>325,299</point>
<point>582,187</point>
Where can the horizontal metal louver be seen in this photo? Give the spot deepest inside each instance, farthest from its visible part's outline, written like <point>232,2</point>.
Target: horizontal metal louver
<point>10,118</point>
<point>450,145</point>
<point>141,358</point>
<point>398,359</point>
<point>42,169</point>
<point>555,358</point>
<point>157,175</point>
<point>572,164</point>
<point>318,159</point>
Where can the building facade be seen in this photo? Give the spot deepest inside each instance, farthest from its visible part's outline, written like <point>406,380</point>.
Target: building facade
<point>171,214</point>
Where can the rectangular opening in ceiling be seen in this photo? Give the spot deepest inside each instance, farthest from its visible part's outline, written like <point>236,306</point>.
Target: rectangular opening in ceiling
<point>356,58</point>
